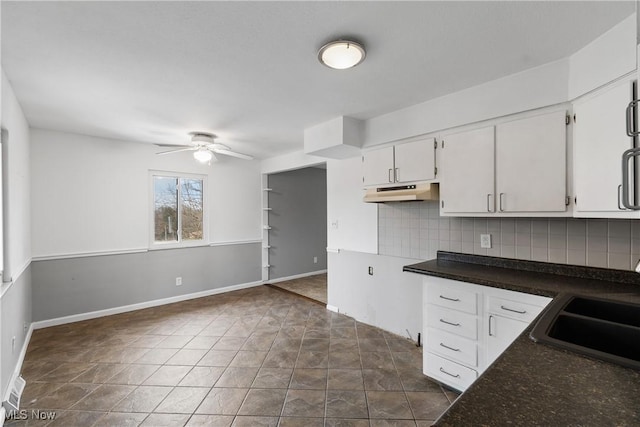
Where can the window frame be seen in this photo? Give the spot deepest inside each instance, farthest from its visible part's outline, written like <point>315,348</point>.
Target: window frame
<point>153,244</point>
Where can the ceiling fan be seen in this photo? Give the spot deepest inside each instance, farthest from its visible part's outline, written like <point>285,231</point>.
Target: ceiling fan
<point>204,147</point>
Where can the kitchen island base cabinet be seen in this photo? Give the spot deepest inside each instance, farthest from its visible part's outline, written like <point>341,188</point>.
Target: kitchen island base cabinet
<point>468,326</point>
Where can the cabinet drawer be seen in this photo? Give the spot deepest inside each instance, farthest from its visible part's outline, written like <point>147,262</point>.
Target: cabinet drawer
<point>448,372</point>
<point>456,299</point>
<point>513,309</point>
<point>453,321</point>
<point>452,346</point>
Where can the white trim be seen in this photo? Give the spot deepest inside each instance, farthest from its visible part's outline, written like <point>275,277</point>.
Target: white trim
<point>296,276</point>
<point>2,415</point>
<point>89,254</point>
<point>5,286</point>
<point>333,250</point>
<point>132,307</point>
<point>136,251</point>
<point>333,308</point>
<point>20,361</point>
<point>235,242</point>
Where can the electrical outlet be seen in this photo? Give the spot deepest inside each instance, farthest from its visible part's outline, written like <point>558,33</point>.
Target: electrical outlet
<point>370,271</point>
<point>315,259</point>
<point>485,241</point>
<point>178,281</point>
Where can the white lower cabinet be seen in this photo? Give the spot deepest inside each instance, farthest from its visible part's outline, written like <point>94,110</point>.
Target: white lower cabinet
<point>468,326</point>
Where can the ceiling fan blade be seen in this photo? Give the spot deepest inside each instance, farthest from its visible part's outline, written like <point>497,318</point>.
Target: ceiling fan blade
<point>178,150</point>
<point>232,153</point>
<point>171,145</point>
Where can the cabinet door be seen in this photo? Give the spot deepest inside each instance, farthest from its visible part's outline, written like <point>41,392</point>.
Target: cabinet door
<point>501,332</point>
<point>467,166</point>
<point>599,140</point>
<point>531,162</point>
<point>378,166</point>
<point>415,161</point>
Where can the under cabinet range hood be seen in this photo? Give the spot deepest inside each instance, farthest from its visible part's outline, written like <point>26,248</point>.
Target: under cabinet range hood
<point>402,193</point>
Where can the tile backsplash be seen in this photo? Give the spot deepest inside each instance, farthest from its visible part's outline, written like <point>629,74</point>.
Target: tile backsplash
<point>416,230</point>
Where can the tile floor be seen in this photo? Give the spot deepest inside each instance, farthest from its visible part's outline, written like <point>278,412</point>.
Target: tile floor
<point>254,357</point>
<point>313,287</point>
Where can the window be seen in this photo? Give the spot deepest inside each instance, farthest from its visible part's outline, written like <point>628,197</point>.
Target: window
<point>178,209</point>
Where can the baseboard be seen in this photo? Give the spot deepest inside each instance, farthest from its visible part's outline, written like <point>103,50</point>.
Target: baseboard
<point>18,368</point>
<point>297,276</point>
<point>3,413</point>
<point>132,307</point>
<point>333,308</point>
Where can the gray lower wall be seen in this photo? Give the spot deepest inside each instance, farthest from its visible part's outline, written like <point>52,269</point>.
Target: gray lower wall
<point>417,230</point>
<point>65,287</point>
<point>15,312</point>
<point>298,220</point>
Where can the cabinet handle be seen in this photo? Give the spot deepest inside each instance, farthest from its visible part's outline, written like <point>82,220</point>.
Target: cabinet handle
<point>488,202</point>
<point>490,317</point>
<point>450,299</point>
<point>631,131</point>
<point>450,348</point>
<point>397,175</point>
<point>451,375</point>
<point>390,177</point>
<point>501,208</point>
<point>512,310</point>
<point>626,157</point>
<point>620,192</point>
<point>449,323</point>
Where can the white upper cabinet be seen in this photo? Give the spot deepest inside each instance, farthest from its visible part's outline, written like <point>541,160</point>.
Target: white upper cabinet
<point>378,166</point>
<point>467,166</point>
<point>514,168</point>
<point>531,164</point>
<point>403,163</point>
<point>600,138</point>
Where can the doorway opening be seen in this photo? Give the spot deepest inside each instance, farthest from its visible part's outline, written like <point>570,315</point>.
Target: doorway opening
<point>295,231</point>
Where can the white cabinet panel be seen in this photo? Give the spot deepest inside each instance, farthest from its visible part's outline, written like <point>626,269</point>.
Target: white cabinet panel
<point>467,166</point>
<point>599,140</point>
<point>452,346</point>
<point>450,373</point>
<point>531,163</point>
<point>502,332</point>
<point>407,162</point>
<point>378,166</point>
<point>415,161</point>
<point>455,322</point>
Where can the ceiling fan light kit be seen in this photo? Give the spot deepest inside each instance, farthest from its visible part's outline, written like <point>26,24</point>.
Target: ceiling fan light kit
<point>341,54</point>
<point>203,155</point>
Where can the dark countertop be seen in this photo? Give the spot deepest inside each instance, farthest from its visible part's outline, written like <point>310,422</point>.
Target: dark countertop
<point>536,384</point>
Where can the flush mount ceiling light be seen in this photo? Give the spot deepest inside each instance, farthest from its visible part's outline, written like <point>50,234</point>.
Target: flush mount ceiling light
<point>341,54</point>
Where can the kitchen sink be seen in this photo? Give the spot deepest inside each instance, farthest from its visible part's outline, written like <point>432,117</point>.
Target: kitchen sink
<point>600,328</point>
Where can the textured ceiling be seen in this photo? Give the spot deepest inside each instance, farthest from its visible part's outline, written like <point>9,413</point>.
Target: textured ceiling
<point>153,71</point>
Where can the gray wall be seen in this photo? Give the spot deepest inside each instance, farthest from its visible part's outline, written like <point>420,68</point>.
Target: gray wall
<point>298,221</point>
<point>71,286</point>
<point>15,312</point>
<point>417,230</point>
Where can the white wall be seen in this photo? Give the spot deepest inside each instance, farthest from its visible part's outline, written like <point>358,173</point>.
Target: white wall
<point>357,222</point>
<point>19,234</point>
<point>93,194</point>
<point>15,293</point>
